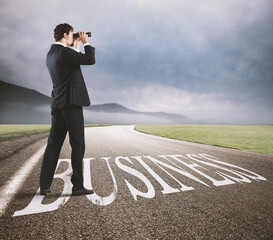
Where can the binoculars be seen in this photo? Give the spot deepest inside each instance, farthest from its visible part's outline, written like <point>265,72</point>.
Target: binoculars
<point>76,35</point>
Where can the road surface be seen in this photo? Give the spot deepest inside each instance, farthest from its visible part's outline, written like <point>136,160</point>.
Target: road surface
<point>146,187</point>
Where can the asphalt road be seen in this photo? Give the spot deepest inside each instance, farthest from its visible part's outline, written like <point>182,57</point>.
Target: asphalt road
<point>146,187</point>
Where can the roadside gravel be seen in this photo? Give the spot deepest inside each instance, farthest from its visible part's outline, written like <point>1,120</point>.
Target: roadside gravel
<point>12,145</point>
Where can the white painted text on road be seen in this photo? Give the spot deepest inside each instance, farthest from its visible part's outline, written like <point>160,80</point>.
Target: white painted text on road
<point>201,169</point>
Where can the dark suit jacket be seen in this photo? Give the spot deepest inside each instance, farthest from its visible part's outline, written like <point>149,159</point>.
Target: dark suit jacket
<point>63,64</point>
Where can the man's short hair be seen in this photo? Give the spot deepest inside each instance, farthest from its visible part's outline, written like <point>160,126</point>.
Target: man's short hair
<point>61,29</point>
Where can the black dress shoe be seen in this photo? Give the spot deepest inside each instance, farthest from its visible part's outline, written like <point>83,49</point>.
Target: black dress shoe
<point>44,191</point>
<point>83,191</point>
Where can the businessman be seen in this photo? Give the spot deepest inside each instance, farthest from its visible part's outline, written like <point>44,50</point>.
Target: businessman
<point>68,96</point>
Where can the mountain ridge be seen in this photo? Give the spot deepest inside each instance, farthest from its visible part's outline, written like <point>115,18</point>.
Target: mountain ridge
<point>30,106</point>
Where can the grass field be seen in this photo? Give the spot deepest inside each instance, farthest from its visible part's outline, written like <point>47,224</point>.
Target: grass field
<point>254,138</point>
<point>17,130</point>
<point>8,131</point>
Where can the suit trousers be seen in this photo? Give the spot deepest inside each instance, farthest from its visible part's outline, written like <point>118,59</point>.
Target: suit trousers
<point>62,121</point>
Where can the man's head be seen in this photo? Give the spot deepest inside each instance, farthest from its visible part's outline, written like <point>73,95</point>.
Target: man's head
<point>64,33</point>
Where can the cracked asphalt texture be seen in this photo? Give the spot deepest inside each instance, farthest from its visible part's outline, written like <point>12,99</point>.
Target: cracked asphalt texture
<point>237,211</point>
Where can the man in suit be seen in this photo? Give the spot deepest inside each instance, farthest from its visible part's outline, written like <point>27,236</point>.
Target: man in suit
<point>69,94</point>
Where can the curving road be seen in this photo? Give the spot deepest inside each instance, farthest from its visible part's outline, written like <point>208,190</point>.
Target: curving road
<point>146,187</point>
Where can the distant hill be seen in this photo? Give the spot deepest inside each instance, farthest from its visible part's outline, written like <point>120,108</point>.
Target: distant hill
<point>117,108</point>
<point>111,108</point>
<point>10,93</point>
<point>20,105</point>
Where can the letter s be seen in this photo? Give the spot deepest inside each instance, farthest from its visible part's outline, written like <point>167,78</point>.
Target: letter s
<point>135,192</point>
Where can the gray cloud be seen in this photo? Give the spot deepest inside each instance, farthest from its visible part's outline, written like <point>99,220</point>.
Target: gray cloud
<point>221,49</point>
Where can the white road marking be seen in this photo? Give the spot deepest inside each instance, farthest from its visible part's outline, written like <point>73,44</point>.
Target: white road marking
<point>36,204</point>
<point>10,189</point>
<point>229,176</point>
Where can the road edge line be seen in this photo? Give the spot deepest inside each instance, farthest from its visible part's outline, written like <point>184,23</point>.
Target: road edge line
<point>16,181</point>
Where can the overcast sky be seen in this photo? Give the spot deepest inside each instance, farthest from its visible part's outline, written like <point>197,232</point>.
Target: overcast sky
<point>200,58</point>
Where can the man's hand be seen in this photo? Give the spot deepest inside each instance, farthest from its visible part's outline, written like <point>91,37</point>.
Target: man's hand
<point>83,37</point>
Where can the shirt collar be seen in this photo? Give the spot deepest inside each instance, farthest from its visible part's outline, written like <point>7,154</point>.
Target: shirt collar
<point>59,43</point>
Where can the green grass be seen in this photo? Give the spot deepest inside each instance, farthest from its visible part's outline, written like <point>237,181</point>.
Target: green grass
<point>254,138</point>
<point>11,131</point>
<point>17,130</point>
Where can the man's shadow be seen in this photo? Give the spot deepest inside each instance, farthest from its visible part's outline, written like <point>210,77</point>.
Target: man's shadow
<point>22,196</point>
